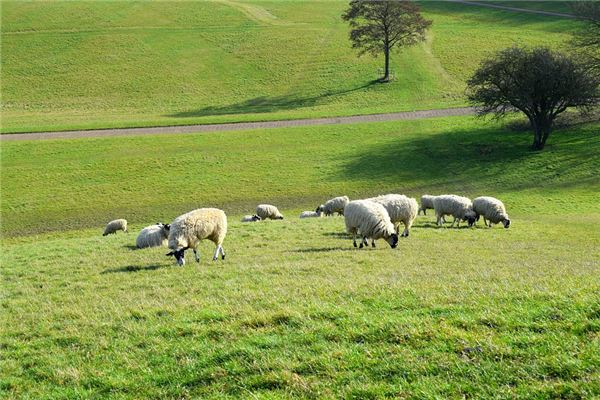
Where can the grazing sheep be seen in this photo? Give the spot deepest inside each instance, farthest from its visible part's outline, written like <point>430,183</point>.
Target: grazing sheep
<point>250,218</point>
<point>265,211</point>
<point>426,203</point>
<point>400,209</point>
<point>461,208</point>
<point>370,220</point>
<point>311,214</point>
<point>114,226</point>
<point>189,229</point>
<point>335,205</point>
<point>153,236</point>
<point>491,209</point>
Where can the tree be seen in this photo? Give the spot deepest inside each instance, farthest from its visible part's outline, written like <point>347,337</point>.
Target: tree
<point>587,38</point>
<point>379,26</point>
<point>538,82</point>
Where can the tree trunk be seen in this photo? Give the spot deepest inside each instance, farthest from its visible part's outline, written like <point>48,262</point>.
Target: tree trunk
<point>386,76</point>
<point>541,132</point>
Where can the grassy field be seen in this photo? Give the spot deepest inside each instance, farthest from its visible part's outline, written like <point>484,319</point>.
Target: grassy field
<point>111,64</point>
<point>295,311</point>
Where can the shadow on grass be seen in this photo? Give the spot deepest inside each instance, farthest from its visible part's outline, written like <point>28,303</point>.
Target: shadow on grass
<point>131,247</point>
<point>486,157</point>
<point>328,249</point>
<point>132,268</point>
<point>268,104</point>
<point>341,235</point>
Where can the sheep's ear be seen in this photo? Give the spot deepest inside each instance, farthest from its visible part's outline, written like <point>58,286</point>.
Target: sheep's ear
<point>167,226</point>
<point>169,254</point>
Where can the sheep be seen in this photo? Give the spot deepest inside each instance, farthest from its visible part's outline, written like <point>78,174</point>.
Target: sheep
<point>250,218</point>
<point>265,211</point>
<point>153,236</point>
<point>335,205</point>
<point>461,208</point>
<point>114,226</point>
<point>492,210</point>
<point>371,220</point>
<point>400,209</point>
<point>426,203</point>
<point>311,214</point>
<point>189,229</point>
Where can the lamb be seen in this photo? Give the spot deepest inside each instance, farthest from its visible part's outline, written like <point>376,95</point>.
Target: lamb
<point>265,211</point>
<point>153,236</point>
<point>335,205</point>
<point>114,226</point>
<point>426,203</point>
<point>311,214</point>
<point>250,218</point>
<point>400,209</point>
<point>371,220</point>
<point>461,208</point>
<point>189,229</point>
<point>492,210</point>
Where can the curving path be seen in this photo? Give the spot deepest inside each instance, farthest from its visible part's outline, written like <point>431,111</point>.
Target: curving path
<point>398,116</point>
<point>525,10</point>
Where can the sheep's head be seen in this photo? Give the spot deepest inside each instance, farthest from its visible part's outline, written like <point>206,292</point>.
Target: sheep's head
<point>506,222</point>
<point>279,216</point>
<point>393,240</point>
<point>179,256</point>
<point>256,218</point>
<point>320,209</point>
<point>470,217</point>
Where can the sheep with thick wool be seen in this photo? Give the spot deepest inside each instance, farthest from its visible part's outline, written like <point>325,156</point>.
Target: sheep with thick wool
<point>461,208</point>
<point>250,218</point>
<point>189,229</point>
<point>153,236</point>
<point>114,226</point>
<point>492,210</point>
<point>269,211</point>
<point>426,203</point>
<point>311,214</point>
<point>370,220</point>
<point>400,208</point>
<point>335,205</point>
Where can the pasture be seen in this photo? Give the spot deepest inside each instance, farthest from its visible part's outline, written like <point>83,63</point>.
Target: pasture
<point>295,310</point>
<point>78,64</point>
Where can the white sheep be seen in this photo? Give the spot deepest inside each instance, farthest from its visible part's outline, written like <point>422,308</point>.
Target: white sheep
<point>153,236</point>
<point>461,208</point>
<point>335,205</point>
<point>492,210</point>
<point>250,218</point>
<point>311,214</point>
<point>114,226</point>
<point>426,203</point>
<point>189,229</point>
<point>265,211</point>
<point>400,208</point>
<point>370,220</point>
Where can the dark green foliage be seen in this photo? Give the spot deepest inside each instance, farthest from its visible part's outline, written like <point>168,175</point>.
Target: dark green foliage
<point>538,82</point>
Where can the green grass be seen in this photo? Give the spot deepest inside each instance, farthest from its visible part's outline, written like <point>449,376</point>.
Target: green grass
<point>295,311</point>
<point>75,64</point>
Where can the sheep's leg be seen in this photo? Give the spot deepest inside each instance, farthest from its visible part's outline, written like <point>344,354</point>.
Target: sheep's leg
<point>405,232</point>
<point>364,242</point>
<point>373,243</point>
<point>196,255</point>
<point>354,238</point>
<point>453,222</point>
<point>217,251</point>
<point>439,219</point>
<point>222,253</point>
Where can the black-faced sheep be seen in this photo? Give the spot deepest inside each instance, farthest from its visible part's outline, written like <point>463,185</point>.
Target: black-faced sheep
<point>250,218</point>
<point>153,236</point>
<point>335,205</point>
<point>461,208</point>
<point>400,208</point>
<point>269,211</point>
<point>189,229</point>
<point>370,220</point>
<point>492,210</point>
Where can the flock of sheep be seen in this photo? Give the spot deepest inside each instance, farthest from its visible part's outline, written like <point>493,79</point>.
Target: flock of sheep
<point>373,218</point>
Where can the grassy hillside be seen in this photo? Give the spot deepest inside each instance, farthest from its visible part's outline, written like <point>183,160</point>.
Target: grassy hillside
<point>105,64</point>
<point>69,184</point>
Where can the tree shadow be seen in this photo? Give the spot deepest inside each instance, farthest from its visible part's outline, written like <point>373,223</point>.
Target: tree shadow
<point>268,104</point>
<point>468,160</point>
<point>132,268</point>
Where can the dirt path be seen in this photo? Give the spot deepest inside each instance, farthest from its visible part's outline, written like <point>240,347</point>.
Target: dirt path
<point>525,10</point>
<point>407,115</point>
